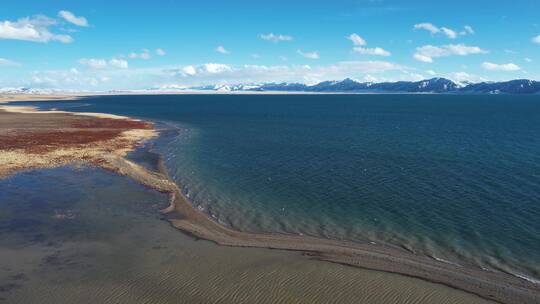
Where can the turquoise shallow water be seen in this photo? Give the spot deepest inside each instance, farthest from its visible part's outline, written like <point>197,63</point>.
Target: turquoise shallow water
<point>451,176</point>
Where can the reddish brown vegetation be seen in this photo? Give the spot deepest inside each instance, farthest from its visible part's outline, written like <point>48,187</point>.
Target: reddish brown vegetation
<point>49,140</point>
<point>108,123</point>
<point>42,134</point>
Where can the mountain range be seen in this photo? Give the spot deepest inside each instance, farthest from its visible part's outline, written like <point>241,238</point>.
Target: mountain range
<point>434,85</point>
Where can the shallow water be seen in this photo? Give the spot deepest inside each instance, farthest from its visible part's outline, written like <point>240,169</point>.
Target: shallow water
<point>451,176</point>
<point>83,235</point>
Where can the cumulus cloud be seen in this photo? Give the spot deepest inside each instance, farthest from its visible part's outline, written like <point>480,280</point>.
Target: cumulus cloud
<point>372,51</point>
<point>428,27</point>
<point>160,52</point>
<point>145,54</point>
<point>448,32</point>
<point>214,73</point>
<point>94,63</point>
<point>359,42</point>
<point>356,39</point>
<point>34,29</point>
<point>505,67</point>
<point>310,55</point>
<point>221,49</point>
<point>104,76</point>
<point>536,39</point>
<point>71,18</point>
<point>202,70</point>
<point>275,38</point>
<point>426,53</point>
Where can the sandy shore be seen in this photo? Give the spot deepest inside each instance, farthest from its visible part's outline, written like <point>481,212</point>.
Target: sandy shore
<point>6,98</point>
<point>32,140</point>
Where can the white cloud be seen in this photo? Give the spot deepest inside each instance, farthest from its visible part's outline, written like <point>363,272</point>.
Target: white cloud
<point>310,55</point>
<point>107,78</point>
<point>426,53</point>
<point>7,62</point>
<point>423,58</point>
<point>275,38</point>
<point>372,51</point>
<point>370,78</point>
<point>464,50</point>
<point>203,70</point>
<point>215,68</point>
<point>71,18</point>
<point>528,59</point>
<point>189,70</point>
<point>448,32</point>
<point>221,49</point>
<point>145,54</point>
<point>214,73</point>
<point>464,77</point>
<point>506,67</point>
<point>104,64</point>
<point>469,29</point>
<point>428,27</point>
<point>255,56</point>
<point>118,63</point>
<point>356,39</point>
<point>160,52</point>
<point>536,39</point>
<point>431,72</point>
<point>32,29</point>
<point>358,48</point>
<point>94,63</point>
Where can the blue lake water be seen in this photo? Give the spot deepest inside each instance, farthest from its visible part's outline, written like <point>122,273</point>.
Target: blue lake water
<point>451,176</point>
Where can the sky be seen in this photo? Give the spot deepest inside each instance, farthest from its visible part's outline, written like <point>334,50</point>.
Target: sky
<point>118,45</point>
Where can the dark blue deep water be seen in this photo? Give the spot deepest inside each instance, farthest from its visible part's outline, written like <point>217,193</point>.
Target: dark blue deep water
<point>451,176</point>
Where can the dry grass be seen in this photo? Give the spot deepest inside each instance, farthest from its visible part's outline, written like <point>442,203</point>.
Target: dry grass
<point>54,138</point>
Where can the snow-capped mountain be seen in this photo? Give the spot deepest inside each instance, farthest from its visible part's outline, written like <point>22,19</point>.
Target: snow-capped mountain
<point>31,91</point>
<point>434,85</point>
<point>518,86</point>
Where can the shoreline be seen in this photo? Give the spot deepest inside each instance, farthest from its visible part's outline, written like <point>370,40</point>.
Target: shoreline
<point>489,285</point>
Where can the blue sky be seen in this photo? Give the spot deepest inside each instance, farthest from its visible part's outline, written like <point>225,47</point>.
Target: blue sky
<point>102,45</point>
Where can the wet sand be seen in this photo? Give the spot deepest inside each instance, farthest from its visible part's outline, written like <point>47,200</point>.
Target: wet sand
<point>488,285</point>
<point>117,249</point>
